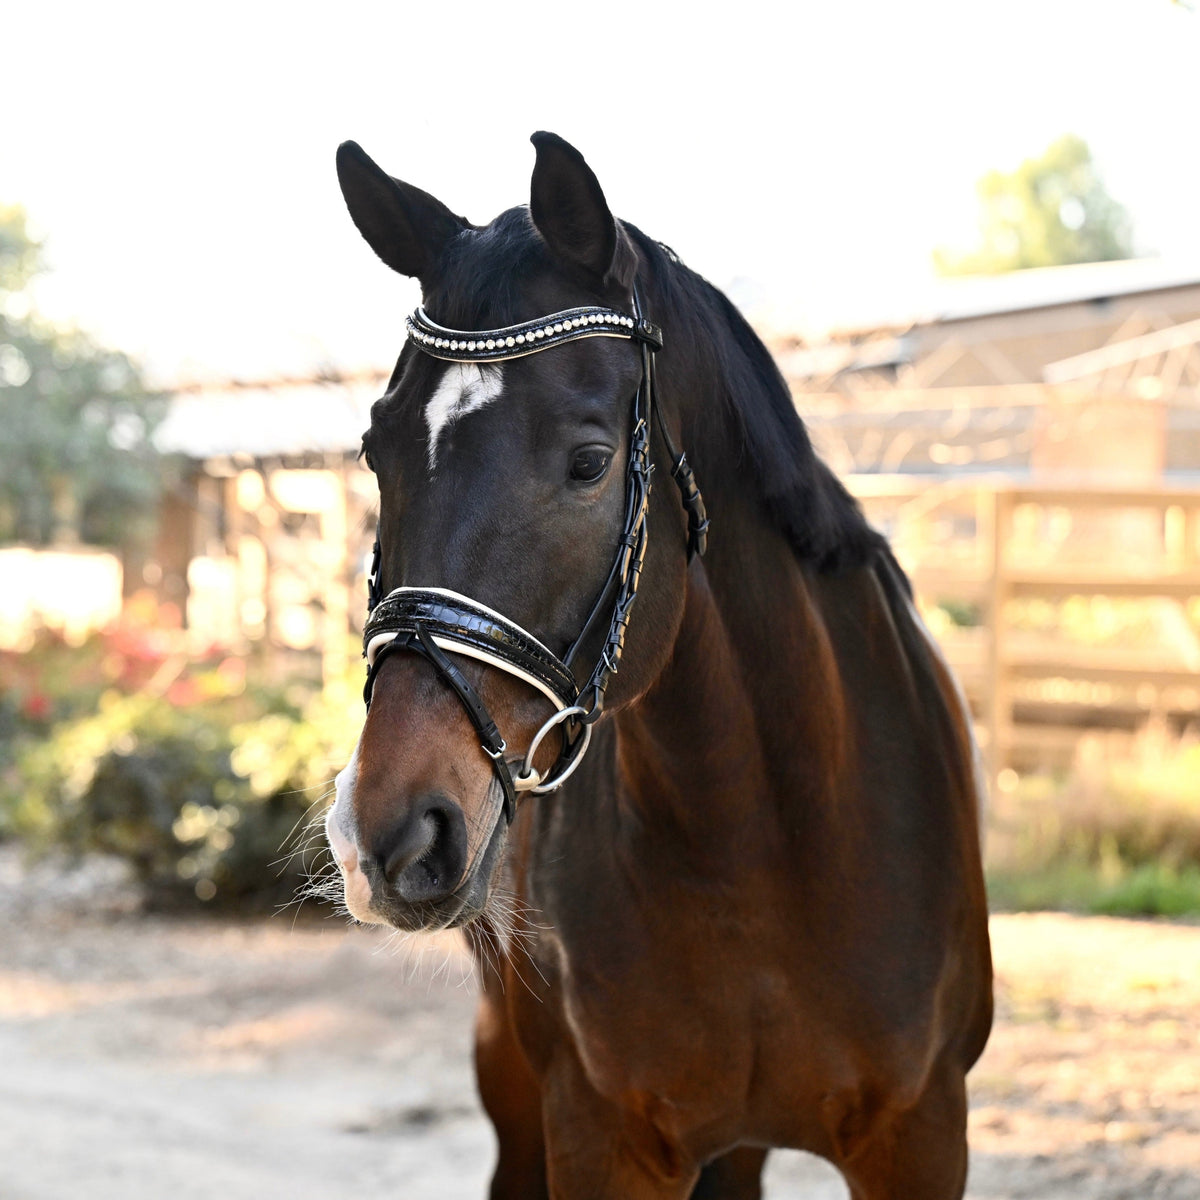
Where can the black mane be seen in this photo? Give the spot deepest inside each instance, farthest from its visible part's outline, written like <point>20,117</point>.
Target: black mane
<point>803,498</point>
<point>481,285</point>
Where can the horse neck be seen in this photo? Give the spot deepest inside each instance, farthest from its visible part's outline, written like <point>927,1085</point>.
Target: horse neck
<point>747,707</point>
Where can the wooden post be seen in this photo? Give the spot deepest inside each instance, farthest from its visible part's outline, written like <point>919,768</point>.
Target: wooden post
<point>235,525</point>
<point>1174,527</point>
<point>1191,536</point>
<point>336,600</point>
<point>176,543</point>
<point>997,686</point>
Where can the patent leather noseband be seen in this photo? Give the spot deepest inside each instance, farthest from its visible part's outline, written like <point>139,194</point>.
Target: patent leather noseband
<point>440,625</point>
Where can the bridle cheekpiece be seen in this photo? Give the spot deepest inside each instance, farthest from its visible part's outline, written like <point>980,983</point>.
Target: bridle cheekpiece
<point>437,623</point>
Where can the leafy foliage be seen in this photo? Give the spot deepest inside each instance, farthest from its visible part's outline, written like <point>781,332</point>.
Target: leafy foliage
<point>200,778</point>
<point>1120,834</point>
<point>1052,210</point>
<point>76,459</point>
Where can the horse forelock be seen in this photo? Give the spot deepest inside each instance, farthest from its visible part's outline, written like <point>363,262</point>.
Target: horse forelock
<point>483,277</point>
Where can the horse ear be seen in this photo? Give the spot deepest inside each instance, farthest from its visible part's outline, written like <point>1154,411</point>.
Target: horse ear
<point>406,227</point>
<point>571,214</point>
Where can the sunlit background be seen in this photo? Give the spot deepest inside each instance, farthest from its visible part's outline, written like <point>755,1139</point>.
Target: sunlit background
<point>969,234</point>
<point>808,156</point>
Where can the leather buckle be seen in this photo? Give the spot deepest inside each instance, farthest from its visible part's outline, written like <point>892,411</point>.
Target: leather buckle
<point>648,332</point>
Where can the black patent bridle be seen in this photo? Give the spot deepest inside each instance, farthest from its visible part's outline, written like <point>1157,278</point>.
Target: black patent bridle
<point>436,623</point>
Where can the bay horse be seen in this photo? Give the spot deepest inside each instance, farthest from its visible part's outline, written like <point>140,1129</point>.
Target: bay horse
<point>726,897</point>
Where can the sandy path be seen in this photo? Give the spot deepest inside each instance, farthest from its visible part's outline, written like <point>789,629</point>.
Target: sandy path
<point>1090,1086</point>
<point>144,1058</point>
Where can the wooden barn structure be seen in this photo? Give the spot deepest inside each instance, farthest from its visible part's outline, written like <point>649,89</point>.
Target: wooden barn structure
<point>1032,447</point>
<point>264,539</point>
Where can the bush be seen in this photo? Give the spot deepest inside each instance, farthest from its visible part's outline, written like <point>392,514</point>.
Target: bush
<point>54,681</point>
<point>201,783</point>
<point>1119,834</point>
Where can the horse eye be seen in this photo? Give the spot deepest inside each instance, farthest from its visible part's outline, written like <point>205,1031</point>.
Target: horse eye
<point>589,464</point>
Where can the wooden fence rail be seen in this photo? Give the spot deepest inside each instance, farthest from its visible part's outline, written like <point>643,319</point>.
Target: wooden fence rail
<point>1009,561</point>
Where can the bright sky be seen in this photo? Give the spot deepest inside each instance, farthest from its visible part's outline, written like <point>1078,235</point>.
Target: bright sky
<point>179,159</point>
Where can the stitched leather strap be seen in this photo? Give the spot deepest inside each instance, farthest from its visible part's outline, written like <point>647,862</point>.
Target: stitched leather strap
<point>529,337</point>
<point>490,739</point>
<point>458,619</point>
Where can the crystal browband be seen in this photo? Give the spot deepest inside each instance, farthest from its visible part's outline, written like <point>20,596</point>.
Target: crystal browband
<point>516,341</point>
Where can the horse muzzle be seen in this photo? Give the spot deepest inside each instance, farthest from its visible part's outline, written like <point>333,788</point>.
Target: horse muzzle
<point>421,870</point>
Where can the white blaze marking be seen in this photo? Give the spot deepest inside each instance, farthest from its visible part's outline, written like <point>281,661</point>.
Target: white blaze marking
<point>464,388</point>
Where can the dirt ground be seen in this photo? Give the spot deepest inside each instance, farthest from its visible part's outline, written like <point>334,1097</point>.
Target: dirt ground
<point>142,1058</point>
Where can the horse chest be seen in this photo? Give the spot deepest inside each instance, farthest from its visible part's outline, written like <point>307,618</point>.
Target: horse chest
<point>673,1005</point>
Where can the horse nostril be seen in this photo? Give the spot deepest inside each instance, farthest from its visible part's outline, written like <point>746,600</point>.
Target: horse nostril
<point>424,857</point>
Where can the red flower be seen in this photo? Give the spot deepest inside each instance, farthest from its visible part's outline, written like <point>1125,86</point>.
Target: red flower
<point>183,692</point>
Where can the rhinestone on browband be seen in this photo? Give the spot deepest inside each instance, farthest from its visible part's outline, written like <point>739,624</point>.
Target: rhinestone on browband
<point>515,341</point>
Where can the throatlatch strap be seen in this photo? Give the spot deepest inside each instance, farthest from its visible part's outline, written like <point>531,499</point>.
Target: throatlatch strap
<point>689,492</point>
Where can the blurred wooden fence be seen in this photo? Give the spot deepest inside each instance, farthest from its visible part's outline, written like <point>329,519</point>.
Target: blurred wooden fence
<point>1062,609</point>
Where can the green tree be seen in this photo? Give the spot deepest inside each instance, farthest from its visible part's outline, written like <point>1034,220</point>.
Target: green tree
<point>76,459</point>
<point>1051,210</point>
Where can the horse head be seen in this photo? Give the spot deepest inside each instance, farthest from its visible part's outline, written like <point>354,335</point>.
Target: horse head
<point>514,516</point>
